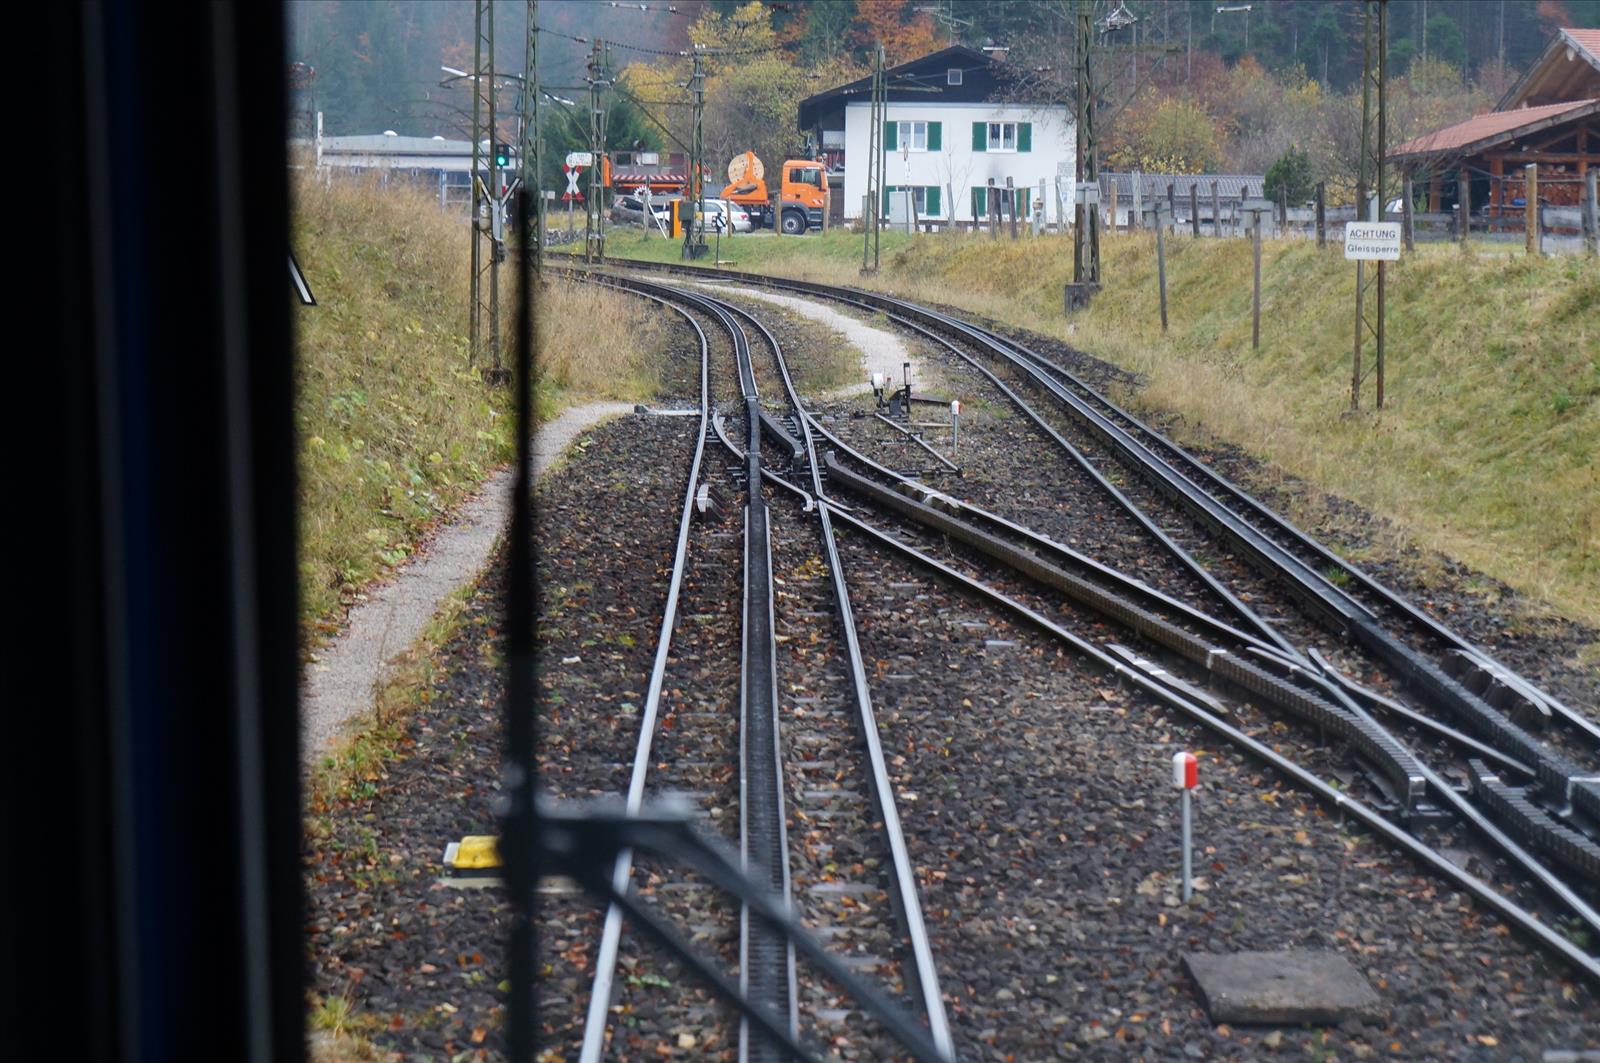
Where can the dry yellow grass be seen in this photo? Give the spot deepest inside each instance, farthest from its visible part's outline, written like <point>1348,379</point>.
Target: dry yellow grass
<point>395,425</point>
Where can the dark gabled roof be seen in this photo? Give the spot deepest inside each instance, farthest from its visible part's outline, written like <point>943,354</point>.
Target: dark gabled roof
<point>922,78</point>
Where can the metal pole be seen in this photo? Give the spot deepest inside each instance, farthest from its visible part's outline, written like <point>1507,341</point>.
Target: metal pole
<point>1322,214</point>
<point>883,116</point>
<point>1086,234</point>
<point>1464,205</point>
<point>486,85</point>
<point>694,230</point>
<point>1216,210</point>
<point>869,203</point>
<point>532,156</point>
<point>589,218</point>
<point>474,339</point>
<point>1188,820</point>
<point>1194,209</point>
<point>1374,145</point>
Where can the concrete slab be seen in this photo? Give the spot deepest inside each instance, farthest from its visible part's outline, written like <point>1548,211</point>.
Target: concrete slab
<point>1283,988</point>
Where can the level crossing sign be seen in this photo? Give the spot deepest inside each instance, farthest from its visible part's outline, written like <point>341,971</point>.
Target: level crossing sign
<point>573,173</point>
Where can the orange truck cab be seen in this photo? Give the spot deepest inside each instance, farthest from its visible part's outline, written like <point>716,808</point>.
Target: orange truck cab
<point>803,194</point>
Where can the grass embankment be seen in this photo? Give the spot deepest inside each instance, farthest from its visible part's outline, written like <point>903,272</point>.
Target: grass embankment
<point>1488,449</point>
<point>395,425</point>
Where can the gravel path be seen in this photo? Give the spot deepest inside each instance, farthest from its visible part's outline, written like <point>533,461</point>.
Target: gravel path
<point>882,351</point>
<point>339,681</point>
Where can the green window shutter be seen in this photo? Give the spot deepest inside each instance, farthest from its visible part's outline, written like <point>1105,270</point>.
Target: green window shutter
<point>980,202</point>
<point>932,201</point>
<point>1024,136</point>
<point>935,136</point>
<point>891,134</point>
<point>980,136</point>
<point>886,190</point>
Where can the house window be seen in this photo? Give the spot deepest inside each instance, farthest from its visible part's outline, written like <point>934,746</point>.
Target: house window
<point>916,136</point>
<point>1002,136</point>
<point>952,76</point>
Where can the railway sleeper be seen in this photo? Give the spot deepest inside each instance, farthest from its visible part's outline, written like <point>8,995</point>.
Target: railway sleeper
<point>1513,809</point>
<point>1396,763</point>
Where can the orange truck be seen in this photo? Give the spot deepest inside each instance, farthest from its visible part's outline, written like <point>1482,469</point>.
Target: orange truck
<point>803,193</point>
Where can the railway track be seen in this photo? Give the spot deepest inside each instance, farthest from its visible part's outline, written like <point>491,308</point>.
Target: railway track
<point>817,774</point>
<point>1275,663</point>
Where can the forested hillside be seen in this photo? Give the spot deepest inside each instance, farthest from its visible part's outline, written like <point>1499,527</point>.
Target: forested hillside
<point>1184,87</point>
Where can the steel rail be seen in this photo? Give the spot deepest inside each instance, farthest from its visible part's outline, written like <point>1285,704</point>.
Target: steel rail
<point>908,903</point>
<point>1484,892</point>
<point>596,1019</point>
<point>1559,776</point>
<point>766,957</point>
<point>1392,599</point>
<point>1149,596</point>
<point>1541,875</point>
<point>1562,779</point>
<point>855,297</point>
<point>1445,793</point>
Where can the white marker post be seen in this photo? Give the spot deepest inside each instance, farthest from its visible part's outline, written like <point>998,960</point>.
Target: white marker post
<point>955,425</point>
<point>1185,777</point>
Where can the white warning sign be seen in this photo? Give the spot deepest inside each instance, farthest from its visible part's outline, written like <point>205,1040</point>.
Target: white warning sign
<point>1372,240</point>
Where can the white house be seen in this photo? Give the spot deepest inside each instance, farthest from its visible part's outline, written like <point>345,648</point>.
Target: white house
<point>952,123</point>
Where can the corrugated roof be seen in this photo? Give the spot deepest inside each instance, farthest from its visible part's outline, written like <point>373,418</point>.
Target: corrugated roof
<point>383,144</point>
<point>1488,128</point>
<point>1588,40</point>
<point>1555,76</point>
<point>1229,185</point>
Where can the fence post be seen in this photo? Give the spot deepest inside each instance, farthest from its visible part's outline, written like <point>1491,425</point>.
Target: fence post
<point>1161,264</point>
<point>1591,210</point>
<point>1011,206</point>
<point>1464,205</point>
<point>1531,206</point>
<point>1283,210</point>
<point>1113,226</point>
<point>993,206</point>
<point>1322,214</point>
<point>1407,229</point>
<point>1255,306</point>
<point>1194,210</point>
<point>1216,211</point>
<point>1172,208</point>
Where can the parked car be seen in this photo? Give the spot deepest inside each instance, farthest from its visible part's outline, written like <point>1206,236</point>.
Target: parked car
<point>629,210</point>
<point>733,213</point>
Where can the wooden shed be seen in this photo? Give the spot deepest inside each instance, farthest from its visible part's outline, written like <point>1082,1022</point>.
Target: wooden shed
<point>1551,117</point>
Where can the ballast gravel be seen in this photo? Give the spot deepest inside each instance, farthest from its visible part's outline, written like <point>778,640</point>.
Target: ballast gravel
<point>1037,804</point>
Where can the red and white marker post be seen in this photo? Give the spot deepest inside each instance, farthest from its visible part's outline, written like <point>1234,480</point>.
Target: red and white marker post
<point>1185,777</point>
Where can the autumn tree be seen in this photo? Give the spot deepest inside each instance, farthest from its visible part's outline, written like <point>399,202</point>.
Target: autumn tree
<point>1168,134</point>
<point>904,32</point>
